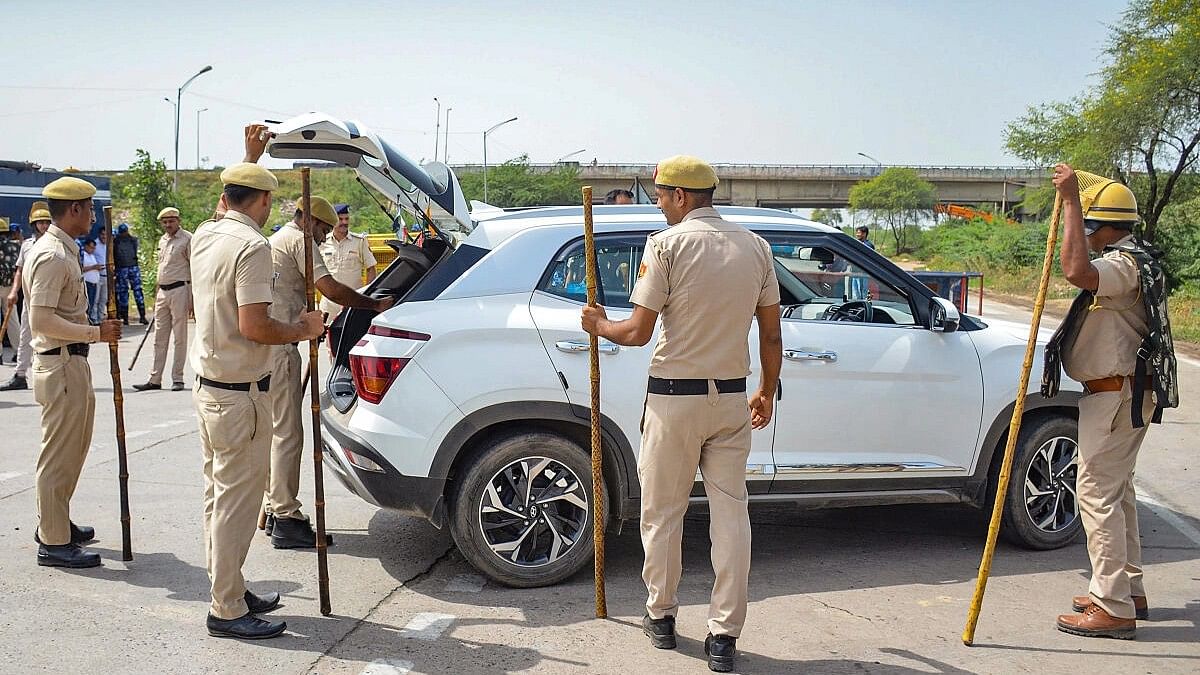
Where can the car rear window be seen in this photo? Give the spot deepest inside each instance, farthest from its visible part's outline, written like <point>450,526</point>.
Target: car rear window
<point>443,274</point>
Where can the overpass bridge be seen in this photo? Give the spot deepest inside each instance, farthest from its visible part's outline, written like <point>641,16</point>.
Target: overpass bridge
<point>816,185</point>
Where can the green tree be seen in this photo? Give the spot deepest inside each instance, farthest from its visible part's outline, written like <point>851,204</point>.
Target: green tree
<point>145,189</point>
<point>515,183</point>
<point>899,199</point>
<point>830,217</point>
<point>1141,122</point>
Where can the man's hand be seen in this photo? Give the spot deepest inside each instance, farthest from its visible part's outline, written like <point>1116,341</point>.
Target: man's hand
<point>110,330</point>
<point>256,141</point>
<point>10,301</point>
<point>384,304</point>
<point>314,324</point>
<point>761,407</point>
<point>1066,182</point>
<point>592,316</point>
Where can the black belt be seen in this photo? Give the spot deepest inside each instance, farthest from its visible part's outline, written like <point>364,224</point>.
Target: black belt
<point>173,285</point>
<point>658,385</point>
<point>74,349</point>
<point>263,384</point>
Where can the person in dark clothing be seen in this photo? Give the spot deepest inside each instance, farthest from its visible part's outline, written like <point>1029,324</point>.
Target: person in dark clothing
<point>129,274</point>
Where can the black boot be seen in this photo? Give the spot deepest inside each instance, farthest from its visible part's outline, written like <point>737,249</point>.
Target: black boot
<point>295,533</point>
<point>142,315</point>
<point>16,383</point>
<point>269,527</point>
<point>262,603</point>
<point>660,631</point>
<point>248,627</point>
<point>67,555</point>
<point>80,534</point>
<point>720,650</point>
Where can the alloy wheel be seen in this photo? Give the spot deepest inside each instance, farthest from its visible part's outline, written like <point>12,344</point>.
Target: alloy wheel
<point>533,511</point>
<point>1050,499</point>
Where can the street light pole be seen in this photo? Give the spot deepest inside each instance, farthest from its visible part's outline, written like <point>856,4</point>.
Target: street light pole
<point>178,96</point>
<point>446,148</point>
<point>437,130</point>
<point>877,162</point>
<point>485,163</point>
<point>198,135</point>
<point>570,154</point>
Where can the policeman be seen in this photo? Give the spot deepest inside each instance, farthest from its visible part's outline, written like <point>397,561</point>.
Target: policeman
<point>128,273</point>
<point>52,280</point>
<point>39,220</point>
<point>173,301</point>
<point>346,256</point>
<point>1116,341</point>
<point>708,278</point>
<point>10,250</point>
<point>231,355</point>
<point>287,526</point>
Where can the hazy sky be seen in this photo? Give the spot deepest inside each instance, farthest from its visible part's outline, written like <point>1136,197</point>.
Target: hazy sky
<point>742,82</point>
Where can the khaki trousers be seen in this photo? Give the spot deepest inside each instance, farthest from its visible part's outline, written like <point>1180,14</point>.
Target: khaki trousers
<point>287,445</point>
<point>1108,449</point>
<point>63,387</point>
<point>13,331</point>
<point>681,433</point>
<point>170,319</point>
<point>25,351</point>
<point>235,436</point>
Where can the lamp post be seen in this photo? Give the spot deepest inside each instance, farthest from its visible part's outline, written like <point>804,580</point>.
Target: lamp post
<point>178,95</point>
<point>437,130</point>
<point>878,163</point>
<point>570,154</point>
<point>485,163</point>
<point>446,148</point>
<point>198,135</point>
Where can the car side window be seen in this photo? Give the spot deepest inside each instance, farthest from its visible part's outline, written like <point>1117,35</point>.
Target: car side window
<point>617,261</point>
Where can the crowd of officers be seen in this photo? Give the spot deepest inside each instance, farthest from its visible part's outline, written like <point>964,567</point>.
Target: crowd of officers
<point>248,295</point>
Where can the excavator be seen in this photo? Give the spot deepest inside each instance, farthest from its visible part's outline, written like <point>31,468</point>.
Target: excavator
<point>966,212</point>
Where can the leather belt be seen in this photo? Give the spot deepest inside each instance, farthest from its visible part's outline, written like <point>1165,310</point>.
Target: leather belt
<point>263,384</point>
<point>681,387</point>
<point>172,286</point>
<point>74,349</point>
<point>1113,383</point>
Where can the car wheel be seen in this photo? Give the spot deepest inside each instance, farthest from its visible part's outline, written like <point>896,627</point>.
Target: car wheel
<point>1041,511</point>
<point>522,512</point>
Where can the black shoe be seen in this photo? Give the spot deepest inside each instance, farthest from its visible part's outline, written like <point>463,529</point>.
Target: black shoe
<point>17,382</point>
<point>67,555</point>
<point>147,386</point>
<point>262,603</point>
<point>660,631</point>
<point>80,534</point>
<point>125,320</point>
<point>269,527</point>
<point>295,533</point>
<point>248,627</point>
<point>720,650</point>
<point>143,321</point>
<point>177,386</point>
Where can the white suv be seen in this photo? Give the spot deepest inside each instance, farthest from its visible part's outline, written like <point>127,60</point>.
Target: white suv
<point>466,403</point>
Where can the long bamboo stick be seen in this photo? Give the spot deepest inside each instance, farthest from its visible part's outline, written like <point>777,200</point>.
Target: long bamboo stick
<point>589,248</point>
<point>118,396</point>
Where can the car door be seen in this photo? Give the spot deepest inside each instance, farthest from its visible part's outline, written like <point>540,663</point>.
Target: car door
<point>882,397</point>
<point>555,308</point>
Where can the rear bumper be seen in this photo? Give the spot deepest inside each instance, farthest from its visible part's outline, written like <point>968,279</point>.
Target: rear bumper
<point>412,495</point>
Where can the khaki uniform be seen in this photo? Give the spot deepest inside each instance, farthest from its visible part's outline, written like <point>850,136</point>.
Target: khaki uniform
<point>287,445</point>
<point>345,260</point>
<point>172,305</point>
<point>62,383</point>
<point>1107,345</point>
<point>706,276</point>
<point>231,267</point>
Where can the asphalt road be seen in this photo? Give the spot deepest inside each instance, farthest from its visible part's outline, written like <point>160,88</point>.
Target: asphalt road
<point>866,590</point>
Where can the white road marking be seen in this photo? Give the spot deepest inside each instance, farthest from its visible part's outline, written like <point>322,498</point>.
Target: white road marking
<point>1185,528</point>
<point>466,583</point>
<point>388,667</point>
<point>136,434</point>
<point>427,626</point>
<point>164,425</point>
<point>8,475</point>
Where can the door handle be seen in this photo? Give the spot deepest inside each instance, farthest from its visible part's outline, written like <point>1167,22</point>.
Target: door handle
<point>797,355</point>
<point>574,347</point>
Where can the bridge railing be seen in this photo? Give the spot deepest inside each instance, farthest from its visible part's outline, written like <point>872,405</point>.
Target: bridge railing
<point>799,171</point>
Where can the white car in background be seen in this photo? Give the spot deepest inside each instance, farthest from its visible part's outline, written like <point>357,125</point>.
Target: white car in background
<point>466,403</point>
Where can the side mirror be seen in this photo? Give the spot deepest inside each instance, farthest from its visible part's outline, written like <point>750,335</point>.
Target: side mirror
<point>943,315</point>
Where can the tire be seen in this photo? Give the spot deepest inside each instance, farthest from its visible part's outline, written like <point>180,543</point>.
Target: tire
<point>562,476</point>
<point>1040,509</point>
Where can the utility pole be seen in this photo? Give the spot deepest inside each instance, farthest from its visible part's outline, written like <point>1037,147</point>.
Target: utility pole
<point>198,135</point>
<point>446,150</point>
<point>437,130</point>
<point>178,95</point>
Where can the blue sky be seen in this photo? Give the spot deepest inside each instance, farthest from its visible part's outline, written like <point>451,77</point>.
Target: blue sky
<point>747,82</point>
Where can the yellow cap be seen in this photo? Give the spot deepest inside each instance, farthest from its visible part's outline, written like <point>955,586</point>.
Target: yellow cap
<point>4,225</point>
<point>322,210</point>
<point>1106,200</point>
<point>250,175</point>
<point>69,188</point>
<point>167,212</point>
<point>38,215</point>
<point>684,171</point>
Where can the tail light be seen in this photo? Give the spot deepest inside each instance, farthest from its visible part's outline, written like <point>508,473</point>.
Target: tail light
<point>373,375</point>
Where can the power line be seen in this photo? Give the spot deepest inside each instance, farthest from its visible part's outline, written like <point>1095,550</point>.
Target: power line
<point>82,106</point>
<point>50,88</point>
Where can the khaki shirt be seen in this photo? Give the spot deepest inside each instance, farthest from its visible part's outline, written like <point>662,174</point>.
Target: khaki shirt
<point>174,257</point>
<point>706,276</point>
<point>231,267</point>
<point>51,277</point>
<point>346,259</point>
<point>1109,338</point>
<point>287,255</point>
